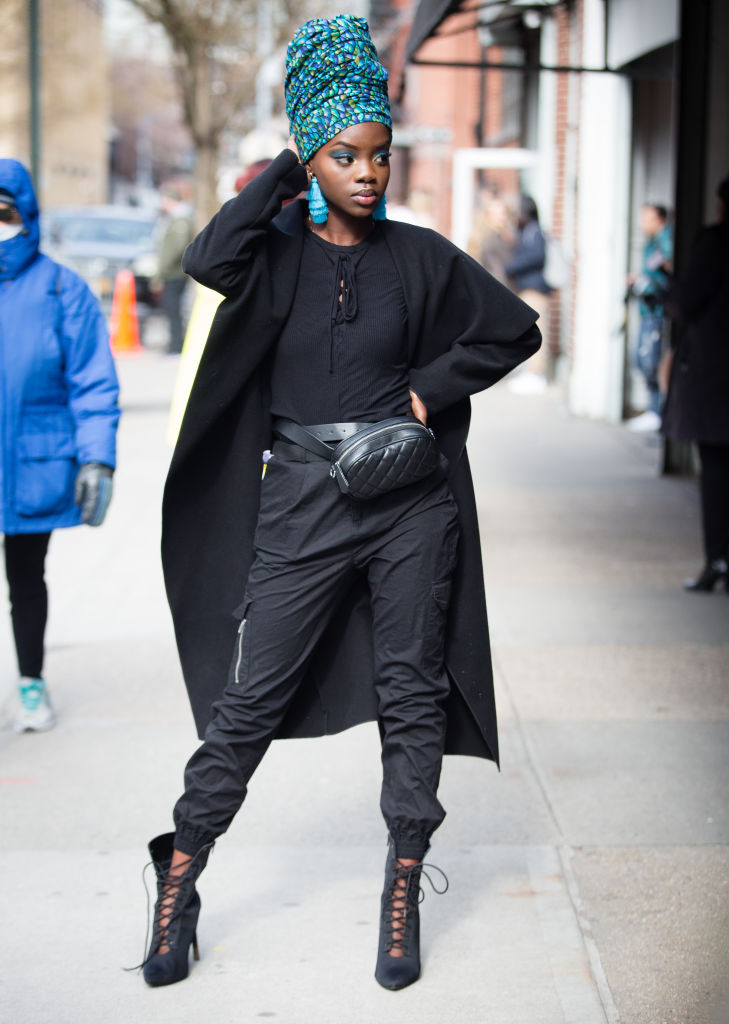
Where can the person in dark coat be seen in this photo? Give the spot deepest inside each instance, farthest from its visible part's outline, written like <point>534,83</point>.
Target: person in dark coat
<point>337,611</point>
<point>525,269</point>
<point>177,233</point>
<point>58,423</point>
<point>697,404</point>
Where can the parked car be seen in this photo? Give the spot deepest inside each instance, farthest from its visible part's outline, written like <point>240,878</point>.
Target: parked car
<point>99,241</point>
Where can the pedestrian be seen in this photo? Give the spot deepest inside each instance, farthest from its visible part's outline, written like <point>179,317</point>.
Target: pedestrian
<point>58,423</point>
<point>651,287</point>
<point>492,238</point>
<point>697,404</point>
<point>176,235</point>
<point>346,610</point>
<point>526,270</point>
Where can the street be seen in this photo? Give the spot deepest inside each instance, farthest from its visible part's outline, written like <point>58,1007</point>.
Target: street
<point>589,879</point>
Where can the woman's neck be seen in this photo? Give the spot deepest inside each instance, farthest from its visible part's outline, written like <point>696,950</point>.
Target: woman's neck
<point>342,231</point>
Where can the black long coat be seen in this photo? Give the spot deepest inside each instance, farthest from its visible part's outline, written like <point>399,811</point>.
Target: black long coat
<point>465,332</point>
<point>697,404</point>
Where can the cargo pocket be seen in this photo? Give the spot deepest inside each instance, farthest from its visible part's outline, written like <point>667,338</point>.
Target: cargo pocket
<point>435,627</point>
<point>45,472</point>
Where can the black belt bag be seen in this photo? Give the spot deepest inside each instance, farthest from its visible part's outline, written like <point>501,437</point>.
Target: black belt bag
<point>372,460</point>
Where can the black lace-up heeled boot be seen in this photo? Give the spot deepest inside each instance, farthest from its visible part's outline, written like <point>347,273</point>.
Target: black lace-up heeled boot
<point>712,573</point>
<point>176,913</point>
<point>400,921</point>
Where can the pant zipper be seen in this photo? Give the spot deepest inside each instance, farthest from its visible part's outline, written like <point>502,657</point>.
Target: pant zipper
<point>241,631</point>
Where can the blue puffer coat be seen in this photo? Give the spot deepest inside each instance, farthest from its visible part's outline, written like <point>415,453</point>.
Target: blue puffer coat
<point>58,386</point>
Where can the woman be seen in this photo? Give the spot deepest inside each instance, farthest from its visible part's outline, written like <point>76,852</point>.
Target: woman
<point>58,423</point>
<point>492,239</point>
<point>526,270</point>
<point>697,404</point>
<point>335,319</point>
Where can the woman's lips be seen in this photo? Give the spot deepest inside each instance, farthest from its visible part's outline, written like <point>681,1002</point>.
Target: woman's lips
<point>365,198</point>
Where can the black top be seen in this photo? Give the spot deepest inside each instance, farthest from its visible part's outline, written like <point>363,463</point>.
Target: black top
<point>343,353</point>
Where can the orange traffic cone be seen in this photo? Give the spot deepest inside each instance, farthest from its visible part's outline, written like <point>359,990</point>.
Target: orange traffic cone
<point>124,328</point>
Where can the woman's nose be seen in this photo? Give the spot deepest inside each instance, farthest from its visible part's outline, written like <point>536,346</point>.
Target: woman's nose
<point>366,172</point>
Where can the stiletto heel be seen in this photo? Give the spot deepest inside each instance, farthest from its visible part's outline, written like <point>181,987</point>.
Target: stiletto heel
<point>400,921</point>
<point>712,573</point>
<point>176,913</point>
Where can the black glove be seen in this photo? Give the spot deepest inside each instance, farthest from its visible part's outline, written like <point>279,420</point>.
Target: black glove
<point>92,491</point>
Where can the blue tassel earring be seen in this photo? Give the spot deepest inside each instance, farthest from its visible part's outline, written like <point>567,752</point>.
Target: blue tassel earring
<point>380,211</point>
<point>318,208</point>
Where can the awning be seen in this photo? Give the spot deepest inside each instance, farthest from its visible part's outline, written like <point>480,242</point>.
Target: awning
<point>431,14</point>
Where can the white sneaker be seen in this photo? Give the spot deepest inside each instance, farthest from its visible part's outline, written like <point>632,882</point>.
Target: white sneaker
<point>527,383</point>
<point>36,713</point>
<point>647,421</point>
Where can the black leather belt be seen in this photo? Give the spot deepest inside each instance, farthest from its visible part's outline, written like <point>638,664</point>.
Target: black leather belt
<point>329,433</point>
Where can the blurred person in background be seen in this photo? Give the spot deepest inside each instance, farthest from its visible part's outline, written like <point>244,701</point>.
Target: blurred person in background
<point>176,234</point>
<point>298,609</point>
<point>58,424</point>
<point>250,173</point>
<point>651,287</point>
<point>697,404</point>
<point>526,271</point>
<point>492,239</point>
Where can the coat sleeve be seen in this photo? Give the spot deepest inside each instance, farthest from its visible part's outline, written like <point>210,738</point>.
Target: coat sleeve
<point>482,331</point>
<point>93,389</point>
<point>221,255</point>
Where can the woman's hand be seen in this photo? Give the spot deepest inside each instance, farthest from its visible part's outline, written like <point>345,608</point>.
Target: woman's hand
<point>291,144</point>
<point>419,410</point>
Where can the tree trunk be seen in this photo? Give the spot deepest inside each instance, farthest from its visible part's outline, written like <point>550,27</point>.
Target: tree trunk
<point>206,136</point>
<point>205,182</point>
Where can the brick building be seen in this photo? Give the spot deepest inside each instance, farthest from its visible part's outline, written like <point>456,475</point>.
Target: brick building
<point>599,111</point>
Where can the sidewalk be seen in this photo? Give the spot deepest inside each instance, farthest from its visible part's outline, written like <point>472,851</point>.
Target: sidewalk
<point>589,879</point>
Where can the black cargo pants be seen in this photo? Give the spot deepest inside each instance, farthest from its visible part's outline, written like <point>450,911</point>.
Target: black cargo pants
<point>310,543</point>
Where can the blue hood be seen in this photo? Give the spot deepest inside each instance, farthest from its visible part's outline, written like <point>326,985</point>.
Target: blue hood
<point>20,251</point>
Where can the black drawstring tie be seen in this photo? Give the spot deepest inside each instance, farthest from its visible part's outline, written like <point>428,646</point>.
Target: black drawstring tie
<point>345,303</point>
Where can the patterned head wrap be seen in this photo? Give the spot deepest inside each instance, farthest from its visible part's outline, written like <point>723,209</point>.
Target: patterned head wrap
<point>334,79</point>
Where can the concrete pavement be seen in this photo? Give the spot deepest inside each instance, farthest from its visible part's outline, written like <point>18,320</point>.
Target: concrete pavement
<point>589,880</point>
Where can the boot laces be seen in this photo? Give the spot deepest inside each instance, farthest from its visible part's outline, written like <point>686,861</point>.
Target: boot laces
<point>406,883</point>
<point>173,893</point>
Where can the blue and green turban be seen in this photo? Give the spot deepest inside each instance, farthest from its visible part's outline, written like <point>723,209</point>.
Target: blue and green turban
<point>334,79</point>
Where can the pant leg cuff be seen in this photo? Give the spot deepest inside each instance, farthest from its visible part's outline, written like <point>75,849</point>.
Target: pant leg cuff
<point>191,840</point>
<point>410,847</point>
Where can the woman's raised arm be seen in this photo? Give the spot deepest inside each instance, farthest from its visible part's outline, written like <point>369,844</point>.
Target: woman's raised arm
<point>219,256</point>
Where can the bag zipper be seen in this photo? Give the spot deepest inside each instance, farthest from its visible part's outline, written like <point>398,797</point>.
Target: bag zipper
<point>373,434</point>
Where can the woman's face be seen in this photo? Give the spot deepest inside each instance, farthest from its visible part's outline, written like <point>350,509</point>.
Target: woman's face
<point>353,168</point>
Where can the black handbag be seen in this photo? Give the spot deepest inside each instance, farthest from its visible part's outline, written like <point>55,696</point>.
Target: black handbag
<point>380,457</point>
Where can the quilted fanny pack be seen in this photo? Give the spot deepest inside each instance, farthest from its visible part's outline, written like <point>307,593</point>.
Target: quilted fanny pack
<point>375,459</point>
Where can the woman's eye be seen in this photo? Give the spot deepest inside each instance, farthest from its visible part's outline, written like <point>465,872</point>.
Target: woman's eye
<point>342,157</point>
<point>382,158</point>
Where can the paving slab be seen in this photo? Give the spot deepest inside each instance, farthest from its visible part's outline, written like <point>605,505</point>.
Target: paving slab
<point>666,909</point>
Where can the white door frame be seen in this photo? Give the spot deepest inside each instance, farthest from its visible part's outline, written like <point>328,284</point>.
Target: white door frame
<point>465,162</point>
